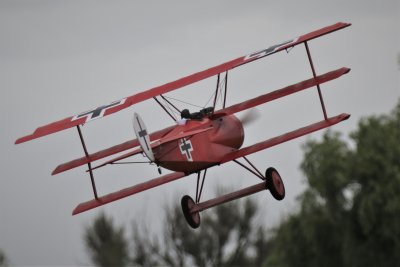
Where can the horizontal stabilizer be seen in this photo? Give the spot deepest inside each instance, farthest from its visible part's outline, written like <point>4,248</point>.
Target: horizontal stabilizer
<point>127,192</point>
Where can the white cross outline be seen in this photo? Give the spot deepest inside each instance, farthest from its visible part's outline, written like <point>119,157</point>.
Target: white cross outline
<point>269,50</point>
<point>186,147</point>
<point>101,110</point>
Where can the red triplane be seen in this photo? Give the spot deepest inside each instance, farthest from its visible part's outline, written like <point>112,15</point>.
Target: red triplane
<point>199,140</point>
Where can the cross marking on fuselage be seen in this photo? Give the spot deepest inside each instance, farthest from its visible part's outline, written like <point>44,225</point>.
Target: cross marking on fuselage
<point>97,112</point>
<point>186,147</point>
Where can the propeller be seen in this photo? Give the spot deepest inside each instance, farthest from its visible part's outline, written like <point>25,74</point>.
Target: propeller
<point>249,116</point>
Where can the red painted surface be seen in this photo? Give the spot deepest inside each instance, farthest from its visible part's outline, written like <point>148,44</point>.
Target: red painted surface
<point>129,101</point>
<point>214,141</point>
<point>291,89</point>
<point>207,148</point>
<point>107,152</point>
<point>193,166</point>
<point>127,192</point>
<point>199,144</point>
<point>160,142</point>
<point>172,131</point>
<point>285,137</point>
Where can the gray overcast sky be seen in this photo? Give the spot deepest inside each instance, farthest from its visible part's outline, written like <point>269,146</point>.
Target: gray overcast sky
<point>58,58</point>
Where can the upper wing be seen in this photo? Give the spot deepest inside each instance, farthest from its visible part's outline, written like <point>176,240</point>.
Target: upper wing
<point>127,102</point>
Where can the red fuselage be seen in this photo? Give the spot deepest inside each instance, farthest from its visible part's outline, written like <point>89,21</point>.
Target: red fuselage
<point>201,150</point>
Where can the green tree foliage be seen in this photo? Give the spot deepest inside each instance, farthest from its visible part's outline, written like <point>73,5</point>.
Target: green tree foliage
<point>350,214</point>
<point>398,60</point>
<point>3,259</point>
<point>227,237</point>
<point>106,243</point>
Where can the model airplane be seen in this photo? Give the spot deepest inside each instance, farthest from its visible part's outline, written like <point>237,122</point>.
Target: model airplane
<point>198,140</point>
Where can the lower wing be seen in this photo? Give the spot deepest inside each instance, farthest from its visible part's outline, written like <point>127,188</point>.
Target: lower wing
<point>94,203</point>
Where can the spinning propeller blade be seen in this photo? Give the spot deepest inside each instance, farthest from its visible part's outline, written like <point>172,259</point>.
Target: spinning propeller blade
<point>250,116</point>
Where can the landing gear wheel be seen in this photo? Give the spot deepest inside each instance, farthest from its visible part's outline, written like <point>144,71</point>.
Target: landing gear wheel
<point>193,219</point>
<point>275,183</point>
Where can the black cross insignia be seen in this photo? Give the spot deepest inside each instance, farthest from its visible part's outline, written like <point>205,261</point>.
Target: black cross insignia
<point>186,148</point>
<point>142,133</point>
<point>267,51</point>
<point>97,112</point>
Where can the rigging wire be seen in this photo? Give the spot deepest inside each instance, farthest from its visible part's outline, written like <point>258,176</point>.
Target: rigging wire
<point>173,111</point>
<point>219,98</point>
<point>164,108</point>
<point>221,83</point>
<point>208,101</point>
<point>187,103</point>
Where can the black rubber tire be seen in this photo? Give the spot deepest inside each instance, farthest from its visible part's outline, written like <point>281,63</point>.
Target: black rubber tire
<point>193,219</point>
<point>275,183</point>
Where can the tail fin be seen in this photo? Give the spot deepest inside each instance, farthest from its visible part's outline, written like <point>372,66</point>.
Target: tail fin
<point>142,136</point>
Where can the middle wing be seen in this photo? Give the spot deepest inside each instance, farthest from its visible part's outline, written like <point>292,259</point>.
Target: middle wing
<point>107,152</point>
<point>291,89</point>
<point>129,101</point>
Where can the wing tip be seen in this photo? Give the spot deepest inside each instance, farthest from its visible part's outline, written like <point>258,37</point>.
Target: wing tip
<point>24,139</point>
<point>345,116</point>
<point>85,206</point>
<point>77,210</point>
<point>345,23</point>
<point>56,171</point>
